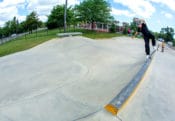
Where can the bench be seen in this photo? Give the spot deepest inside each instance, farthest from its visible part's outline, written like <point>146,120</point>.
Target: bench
<point>69,34</point>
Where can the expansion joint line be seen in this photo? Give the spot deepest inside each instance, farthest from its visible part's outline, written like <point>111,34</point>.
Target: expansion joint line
<point>120,119</point>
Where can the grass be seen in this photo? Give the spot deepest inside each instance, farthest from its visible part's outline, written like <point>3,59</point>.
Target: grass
<point>99,35</point>
<point>34,39</point>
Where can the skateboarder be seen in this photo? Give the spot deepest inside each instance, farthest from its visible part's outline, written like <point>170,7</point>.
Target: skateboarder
<point>142,27</point>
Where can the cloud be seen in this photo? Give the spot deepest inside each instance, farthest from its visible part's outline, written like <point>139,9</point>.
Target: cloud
<point>7,14</point>
<point>11,8</point>
<point>141,8</point>
<point>169,3</point>
<point>122,12</point>
<point>11,3</point>
<point>44,7</point>
<point>167,15</point>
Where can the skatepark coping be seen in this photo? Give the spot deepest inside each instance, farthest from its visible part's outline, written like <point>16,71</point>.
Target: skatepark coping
<point>120,100</point>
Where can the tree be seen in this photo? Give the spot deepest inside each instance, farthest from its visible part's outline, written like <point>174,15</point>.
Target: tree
<point>22,27</point>
<point>32,21</point>
<point>10,27</point>
<point>93,11</point>
<point>167,34</point>
<point>112,29</point>
<point>56,18</point>
<point>14,24</point>
<point>133,27</point>
<point>1,32</point>
<point>6,29</point>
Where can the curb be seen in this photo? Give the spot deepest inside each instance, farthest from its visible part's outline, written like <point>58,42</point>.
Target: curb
<point>127,92</point>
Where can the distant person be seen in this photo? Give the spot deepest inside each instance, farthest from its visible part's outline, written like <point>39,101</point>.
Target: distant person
<point>142,27</point>
<point>161,44</point>
<point>129,31</point>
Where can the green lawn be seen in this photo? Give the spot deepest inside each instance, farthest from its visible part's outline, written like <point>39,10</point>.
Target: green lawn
<point>99,35</point>
<point>34,39</point>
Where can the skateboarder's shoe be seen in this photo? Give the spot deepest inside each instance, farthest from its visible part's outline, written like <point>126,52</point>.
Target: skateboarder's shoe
<point>148,57</point>
<point>154,48</point>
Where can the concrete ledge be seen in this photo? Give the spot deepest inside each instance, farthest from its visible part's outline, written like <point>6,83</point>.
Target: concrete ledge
<point>116,104</point>
<point>69,34</point>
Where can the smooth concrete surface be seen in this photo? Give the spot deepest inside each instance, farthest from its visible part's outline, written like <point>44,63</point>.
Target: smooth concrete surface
<point>66,79</point>
<point>155,99</point>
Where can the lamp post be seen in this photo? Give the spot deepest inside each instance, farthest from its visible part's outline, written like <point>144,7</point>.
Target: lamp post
<point>65,14</point>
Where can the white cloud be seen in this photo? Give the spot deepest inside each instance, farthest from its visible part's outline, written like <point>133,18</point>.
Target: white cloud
<point>141,8</point>
<point>169,3</point>
<point>43,18</point>
<point>11,3</point>
<point>44,7</point>
<point>168,15</point>
<point>159,22</point>
<point>21,18</point>
<point>122,12</point>
<point>10,8</point>
<point>7,14</point>
<point>47,5</point>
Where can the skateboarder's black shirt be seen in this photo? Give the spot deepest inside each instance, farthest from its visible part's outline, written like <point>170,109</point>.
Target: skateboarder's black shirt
<point>144,30</point>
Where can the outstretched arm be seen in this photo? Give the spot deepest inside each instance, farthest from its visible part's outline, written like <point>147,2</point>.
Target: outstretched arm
<point>135,34</point>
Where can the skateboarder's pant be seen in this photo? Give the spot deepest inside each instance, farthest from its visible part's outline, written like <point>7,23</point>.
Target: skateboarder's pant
<point>146,39</point>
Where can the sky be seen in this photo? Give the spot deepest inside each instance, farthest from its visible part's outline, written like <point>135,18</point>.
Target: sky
<point>157,13</point>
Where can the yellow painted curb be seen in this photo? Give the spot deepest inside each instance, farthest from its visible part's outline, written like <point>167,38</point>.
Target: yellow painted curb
<point>112,109</point>
<point>135,90</point>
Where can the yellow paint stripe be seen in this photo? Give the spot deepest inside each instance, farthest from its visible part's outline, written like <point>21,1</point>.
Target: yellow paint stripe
<point>136,89</point>
<point>112,109</point>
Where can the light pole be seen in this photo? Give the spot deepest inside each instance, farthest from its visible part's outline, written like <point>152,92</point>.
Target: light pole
<point>65,14</point>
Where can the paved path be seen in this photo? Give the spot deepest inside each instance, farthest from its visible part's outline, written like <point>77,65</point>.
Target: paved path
<point>66,79</point>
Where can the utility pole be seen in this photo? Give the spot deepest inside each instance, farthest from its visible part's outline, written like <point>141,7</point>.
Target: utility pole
<point>65,14</point>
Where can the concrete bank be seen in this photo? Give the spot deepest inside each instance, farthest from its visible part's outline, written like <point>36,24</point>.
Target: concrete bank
<point>66,79</point>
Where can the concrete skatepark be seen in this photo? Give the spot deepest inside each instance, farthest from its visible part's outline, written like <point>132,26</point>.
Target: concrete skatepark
<point>73,78</point>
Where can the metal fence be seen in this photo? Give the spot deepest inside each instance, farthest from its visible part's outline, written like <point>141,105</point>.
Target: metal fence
<point>14,36</point>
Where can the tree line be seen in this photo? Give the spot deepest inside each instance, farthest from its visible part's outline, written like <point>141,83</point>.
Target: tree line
<point>15,27</point>
<point>88,11</point>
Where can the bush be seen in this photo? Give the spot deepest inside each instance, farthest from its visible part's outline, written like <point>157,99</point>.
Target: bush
<point>173,42</point>
<point>125,30</point>
<point>112,29</point>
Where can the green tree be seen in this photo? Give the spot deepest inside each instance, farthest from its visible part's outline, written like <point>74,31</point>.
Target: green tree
<point>133,27</point>
<point>14,24</point>
<point>9,28</point>
<point>112,29</point>
<point>167,34</point>
<point>22,27</point>
<point>1,32</point>
<point>56,18</point>
<point>93,11</point>
<point>32,21</point>
<point>6,29</point>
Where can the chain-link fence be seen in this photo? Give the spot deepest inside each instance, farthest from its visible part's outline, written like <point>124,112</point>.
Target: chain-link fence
<point>26,35</point>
